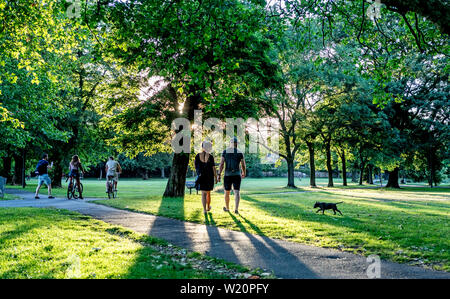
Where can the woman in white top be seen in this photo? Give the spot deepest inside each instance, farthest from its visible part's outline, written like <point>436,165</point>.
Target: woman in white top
<point>75,168</point>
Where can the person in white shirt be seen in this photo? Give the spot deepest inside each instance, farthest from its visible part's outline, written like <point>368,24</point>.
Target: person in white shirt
<point>112,169</point>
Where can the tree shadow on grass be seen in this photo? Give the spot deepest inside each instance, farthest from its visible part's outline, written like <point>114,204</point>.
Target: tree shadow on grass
<point>362,224</point>
<point>406,204</point>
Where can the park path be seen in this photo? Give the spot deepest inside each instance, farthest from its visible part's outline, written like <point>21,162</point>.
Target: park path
<point>285,259</point>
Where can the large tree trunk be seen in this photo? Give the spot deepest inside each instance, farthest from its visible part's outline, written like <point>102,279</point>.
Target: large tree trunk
<point>57,172</point>
<point>344,169</point>
<point>329,167</point>
<point>290,165</point>
<point>312,165</point>
<point>176,184</point>
<point>180,162</point>
<point>6,170</point>
<point>393,179</point>
<point>369,174</point>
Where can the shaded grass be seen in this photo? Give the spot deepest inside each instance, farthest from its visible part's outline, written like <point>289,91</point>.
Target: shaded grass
<point>50,243</point>
<point>405,226</point>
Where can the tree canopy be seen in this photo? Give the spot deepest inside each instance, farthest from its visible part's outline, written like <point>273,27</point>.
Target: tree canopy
<point>362,82</point>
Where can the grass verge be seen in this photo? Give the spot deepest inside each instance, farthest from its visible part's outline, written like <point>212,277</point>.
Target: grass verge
<point>50,243</point>
<point>404,226</point>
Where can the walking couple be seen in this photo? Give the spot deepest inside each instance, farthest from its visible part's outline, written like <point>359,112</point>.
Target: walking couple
<point>235,171</point>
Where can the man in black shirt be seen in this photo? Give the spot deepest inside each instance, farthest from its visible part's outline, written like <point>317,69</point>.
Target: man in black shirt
<point>234,161</point>
<point>42,170</point>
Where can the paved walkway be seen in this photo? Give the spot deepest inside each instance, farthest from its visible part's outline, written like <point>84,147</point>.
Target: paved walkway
<point>286,259</point>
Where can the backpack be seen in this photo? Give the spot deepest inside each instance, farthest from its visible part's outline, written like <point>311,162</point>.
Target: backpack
<point>37,172</point>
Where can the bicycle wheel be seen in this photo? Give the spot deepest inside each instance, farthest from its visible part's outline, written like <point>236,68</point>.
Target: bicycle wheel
<point>75,192</point>
<point>110,191</point>
<point>78,190</point>
<point>69,192</point>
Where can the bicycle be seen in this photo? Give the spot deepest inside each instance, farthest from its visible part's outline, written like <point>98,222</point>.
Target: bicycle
<point>72,189</point>
<point>110,183</point>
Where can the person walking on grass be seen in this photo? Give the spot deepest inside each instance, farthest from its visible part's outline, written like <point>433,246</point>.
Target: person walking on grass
<point>235,171</point>
<point>207,175</point>
<point>42,170</point>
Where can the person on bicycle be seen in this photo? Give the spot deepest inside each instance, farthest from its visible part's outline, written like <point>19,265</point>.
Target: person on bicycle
<point>112,170</point>
<point>75,168</point>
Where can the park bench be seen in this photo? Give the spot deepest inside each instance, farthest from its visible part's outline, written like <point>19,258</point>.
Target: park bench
<point>190,185</point>
<point>2,186</point>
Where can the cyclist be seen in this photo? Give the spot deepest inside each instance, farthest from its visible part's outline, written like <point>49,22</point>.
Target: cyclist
<point>112,169</point>
<point>75,168</point>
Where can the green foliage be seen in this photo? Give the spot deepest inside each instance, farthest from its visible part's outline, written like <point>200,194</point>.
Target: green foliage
<point>142,163</point>
<point>253,165</point>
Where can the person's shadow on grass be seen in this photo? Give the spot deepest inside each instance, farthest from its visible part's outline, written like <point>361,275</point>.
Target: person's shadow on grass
<point>270,254</point>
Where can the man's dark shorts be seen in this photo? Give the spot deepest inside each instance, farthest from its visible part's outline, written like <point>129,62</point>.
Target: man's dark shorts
<point>234,180</point>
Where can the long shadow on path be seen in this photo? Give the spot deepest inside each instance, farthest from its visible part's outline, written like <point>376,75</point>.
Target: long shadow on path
<point>270,255</point>
<point>175,231</point>
<point>220,243</point>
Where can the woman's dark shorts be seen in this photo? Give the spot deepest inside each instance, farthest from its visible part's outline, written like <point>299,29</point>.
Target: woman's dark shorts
<point>234,180</point>
<point>75,174</point>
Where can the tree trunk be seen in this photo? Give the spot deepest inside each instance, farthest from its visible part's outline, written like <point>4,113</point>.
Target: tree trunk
<point>6,170</point>
<point>312,165</point>
<point>18,159</point>
<point>163,175</point>
<point>180,162</point>
<point>329,167</point>
<point>430,168</point>
<point>57,174</point>
<point>176,184</point>
<point>290,165</point>
<point>344,169</point>
<point>361,173</point>
<point>24,157</point>
<point>369,174</point>
<point>393,179</point>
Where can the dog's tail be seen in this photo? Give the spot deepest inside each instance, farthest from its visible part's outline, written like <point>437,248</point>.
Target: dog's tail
<point>339,202</point>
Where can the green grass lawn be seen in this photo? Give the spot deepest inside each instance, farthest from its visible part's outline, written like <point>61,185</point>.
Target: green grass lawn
<point>136,188</point>
<point>49,243</point>
<point>410,225</point>
<point>9,197</point>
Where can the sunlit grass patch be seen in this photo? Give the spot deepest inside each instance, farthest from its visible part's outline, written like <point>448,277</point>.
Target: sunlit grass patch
<point>393,224</point>
<point>49,243</point>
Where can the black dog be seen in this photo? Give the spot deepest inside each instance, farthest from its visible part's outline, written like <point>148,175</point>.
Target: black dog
<point>327,206</point>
